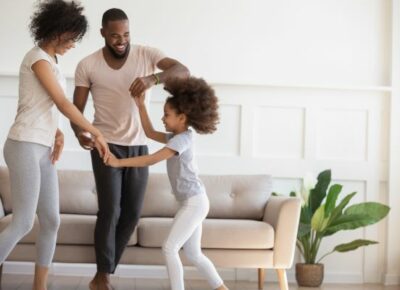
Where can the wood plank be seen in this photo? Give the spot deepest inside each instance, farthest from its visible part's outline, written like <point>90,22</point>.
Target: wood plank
<point>24,282</point>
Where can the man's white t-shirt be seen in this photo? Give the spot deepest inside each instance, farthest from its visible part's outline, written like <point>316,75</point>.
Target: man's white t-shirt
<point>37,116</point>
<point>116,114</point>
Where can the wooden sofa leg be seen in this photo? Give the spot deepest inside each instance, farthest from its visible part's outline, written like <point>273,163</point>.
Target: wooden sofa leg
<point>261,277</point>
<point>283,283</point>
<point>1,273</point>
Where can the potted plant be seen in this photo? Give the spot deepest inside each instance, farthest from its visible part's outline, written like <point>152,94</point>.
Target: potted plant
<point>322,215</point>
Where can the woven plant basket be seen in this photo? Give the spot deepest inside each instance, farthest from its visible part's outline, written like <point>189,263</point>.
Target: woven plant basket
<point>309,275</point>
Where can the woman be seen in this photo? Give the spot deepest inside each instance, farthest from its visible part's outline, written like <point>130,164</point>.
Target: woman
<point>34,142</point>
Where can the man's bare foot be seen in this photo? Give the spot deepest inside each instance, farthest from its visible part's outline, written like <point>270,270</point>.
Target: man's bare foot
<point>93,284</point>
<point>101,281</point>
<point>104,286</point>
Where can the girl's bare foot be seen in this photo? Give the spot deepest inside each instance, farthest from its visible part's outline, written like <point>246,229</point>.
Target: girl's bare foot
<point>40,278</point>
<point>222,287</point>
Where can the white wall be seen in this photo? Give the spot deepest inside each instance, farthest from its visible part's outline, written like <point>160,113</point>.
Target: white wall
<point>303,86</point>
<point>252,42</point>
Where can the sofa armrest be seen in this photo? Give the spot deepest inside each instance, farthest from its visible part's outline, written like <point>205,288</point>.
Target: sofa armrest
<point>283,214</point>
<point>2,213</point>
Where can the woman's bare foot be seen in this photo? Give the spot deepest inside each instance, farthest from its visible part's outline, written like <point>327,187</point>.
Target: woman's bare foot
<point>40,278</point>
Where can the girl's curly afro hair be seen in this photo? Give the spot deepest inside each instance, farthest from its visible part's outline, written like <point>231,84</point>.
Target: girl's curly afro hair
<point>55,17</point>
<point>196,99</point>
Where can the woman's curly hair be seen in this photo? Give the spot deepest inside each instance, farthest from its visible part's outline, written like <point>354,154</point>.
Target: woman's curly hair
<point>55,17</point>
<point>196,99</point>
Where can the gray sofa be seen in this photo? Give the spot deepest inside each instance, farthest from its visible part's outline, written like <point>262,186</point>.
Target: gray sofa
<point>245,228</point>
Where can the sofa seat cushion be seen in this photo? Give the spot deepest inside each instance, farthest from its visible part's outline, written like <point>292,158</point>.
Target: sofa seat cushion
<point>74,230</point>
<point>231,196</point>
<point>217,233</point>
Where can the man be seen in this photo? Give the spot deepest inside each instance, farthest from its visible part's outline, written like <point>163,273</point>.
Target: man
<point>113,75</point>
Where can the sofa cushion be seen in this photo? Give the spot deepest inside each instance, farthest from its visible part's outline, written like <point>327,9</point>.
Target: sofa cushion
<point>5,193</point>
<point>79,229</point>
<point>217,233</point>
<point>29,238</point>
<point>77,192</point>
<point>231,196</point>
<point>74,230</point>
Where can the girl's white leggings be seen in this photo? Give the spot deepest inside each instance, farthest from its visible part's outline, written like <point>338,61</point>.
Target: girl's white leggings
<point>186,232</point>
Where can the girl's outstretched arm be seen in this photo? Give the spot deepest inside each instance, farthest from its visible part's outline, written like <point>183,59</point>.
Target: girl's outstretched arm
<point>146,123</point>
<point>141,161</point>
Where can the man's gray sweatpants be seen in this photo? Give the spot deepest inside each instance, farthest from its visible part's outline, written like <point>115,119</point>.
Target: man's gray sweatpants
<point>120,194</point>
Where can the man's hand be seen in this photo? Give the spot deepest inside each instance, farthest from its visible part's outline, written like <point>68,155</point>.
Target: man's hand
<point>89,143</point>
<point>58,146</point>
<point>85,140</point>
<point>140,85</point>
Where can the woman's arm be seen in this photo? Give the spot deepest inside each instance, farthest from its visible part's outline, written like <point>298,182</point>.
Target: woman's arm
<point>44,73</point>
<point>146,123</point>
<point>141,161</point>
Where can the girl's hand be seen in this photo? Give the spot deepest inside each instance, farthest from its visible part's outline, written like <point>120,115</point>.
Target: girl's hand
<point>139,100</point>
<point>113,161</point>
<point>141,84</point>
<point>102,146</point>
<point>58,146</point>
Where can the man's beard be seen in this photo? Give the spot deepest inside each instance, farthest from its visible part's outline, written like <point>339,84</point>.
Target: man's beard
<point>116,55</point>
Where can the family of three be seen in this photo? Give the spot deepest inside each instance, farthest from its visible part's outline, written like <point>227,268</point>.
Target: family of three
<point>118,76</point>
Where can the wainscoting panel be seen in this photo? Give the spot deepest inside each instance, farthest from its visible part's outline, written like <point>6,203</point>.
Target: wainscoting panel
<point>285,131</point>
<point>279,132</point>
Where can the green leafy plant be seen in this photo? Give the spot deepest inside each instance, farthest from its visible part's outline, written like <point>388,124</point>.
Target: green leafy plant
<point>322,216</point>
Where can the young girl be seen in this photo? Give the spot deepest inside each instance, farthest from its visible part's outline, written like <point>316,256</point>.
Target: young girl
<point>192,104</point>
<point>56,26</point>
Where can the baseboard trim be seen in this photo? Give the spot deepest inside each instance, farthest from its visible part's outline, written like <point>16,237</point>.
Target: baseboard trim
<point>159,272</point>
<point>391,280</point>
<point>330,277</point>
<point>129,271</point>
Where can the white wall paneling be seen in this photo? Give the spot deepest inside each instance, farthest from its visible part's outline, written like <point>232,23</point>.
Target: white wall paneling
<point>266,129</point>
<point>393,249</point>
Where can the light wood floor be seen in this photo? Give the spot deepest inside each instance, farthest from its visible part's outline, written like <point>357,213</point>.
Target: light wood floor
<point>23,282</point>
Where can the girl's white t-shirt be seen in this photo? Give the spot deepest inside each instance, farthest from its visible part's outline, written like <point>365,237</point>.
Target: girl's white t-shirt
<point>37,116</point>
<point>181,168</point>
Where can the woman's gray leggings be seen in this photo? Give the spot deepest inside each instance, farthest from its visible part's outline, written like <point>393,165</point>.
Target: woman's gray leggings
<point>34,189</point>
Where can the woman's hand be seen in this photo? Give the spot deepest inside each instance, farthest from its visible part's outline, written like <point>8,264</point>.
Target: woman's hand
<point>113,161</point>
<point>102,146</point>
<point>58,146</point>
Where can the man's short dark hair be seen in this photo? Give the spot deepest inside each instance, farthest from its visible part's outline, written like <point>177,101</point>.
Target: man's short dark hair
<point>113,14</point>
